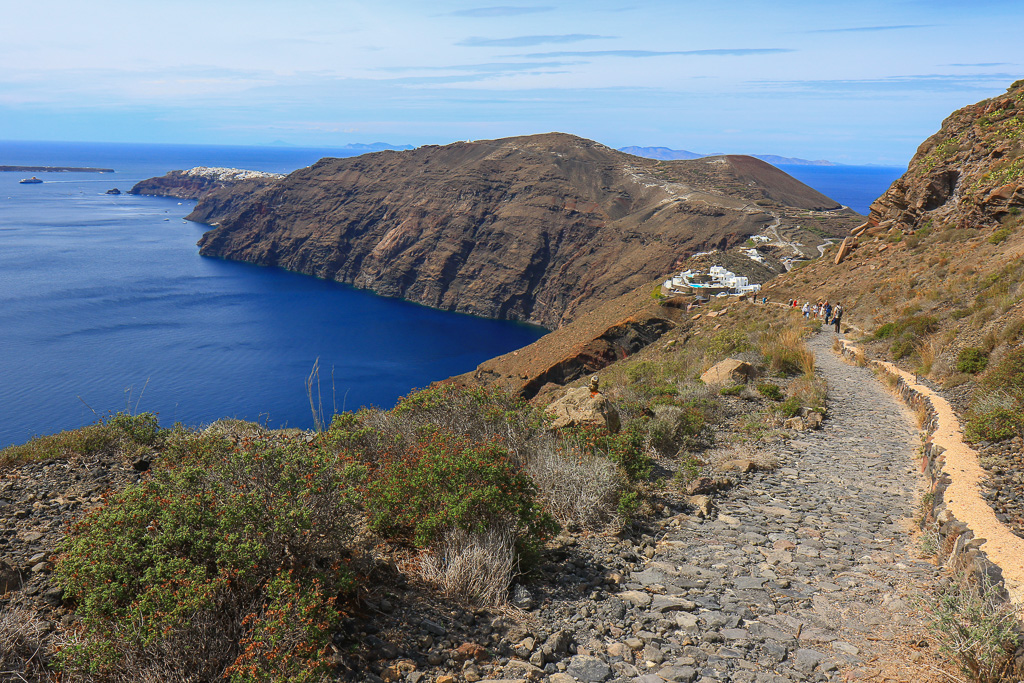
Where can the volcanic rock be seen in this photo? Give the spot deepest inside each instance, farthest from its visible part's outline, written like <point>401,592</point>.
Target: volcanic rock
<point>729,371</point>
<point>584,407</point>
<point>537,228</point>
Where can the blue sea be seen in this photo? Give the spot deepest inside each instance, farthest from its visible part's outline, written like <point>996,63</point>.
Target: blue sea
<point>853,186</point>
<point>106,305</point>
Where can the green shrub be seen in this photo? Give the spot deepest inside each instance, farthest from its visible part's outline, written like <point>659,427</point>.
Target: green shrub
<point>625,449</point>
<point>790,407</point>
<point>734,390</point>
<point>481,413</point>
<point>901,349</point>
<point>772,391</point>
<point>629,504</point>
<point>121,434</point>
<point>999,235</point>
<point>971,360</point>
<point>198,558</point>
<point>912,326</point>
<point>994,425</point>
<point>977,630</point>
<point>1007,374</point>
<point>444,481</point>
<point>885,331</point>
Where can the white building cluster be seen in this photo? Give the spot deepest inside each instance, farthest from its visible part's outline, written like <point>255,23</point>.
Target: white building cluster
<point>753,255</point>
<point>716,282</point>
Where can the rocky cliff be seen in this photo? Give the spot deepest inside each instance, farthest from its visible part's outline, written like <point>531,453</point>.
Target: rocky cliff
<point>191,184</point>
<point>970,174</point>
<point>537,228</point>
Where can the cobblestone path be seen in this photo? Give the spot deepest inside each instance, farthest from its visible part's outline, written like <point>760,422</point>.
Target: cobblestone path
<point>806,572</point>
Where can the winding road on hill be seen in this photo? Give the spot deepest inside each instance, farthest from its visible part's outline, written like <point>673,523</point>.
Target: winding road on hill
<point>809,572</point>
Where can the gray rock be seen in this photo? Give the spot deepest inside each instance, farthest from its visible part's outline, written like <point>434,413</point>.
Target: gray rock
<point>431,627</point>
<point>748,582</point>
<point>681,674</point>
<point>687,622</point>
<point>734,634</point>
<point>522,598</point>
<point>588,669</point>
<point>805,660</point>
<point>636,598</point>
<point>662,604</point>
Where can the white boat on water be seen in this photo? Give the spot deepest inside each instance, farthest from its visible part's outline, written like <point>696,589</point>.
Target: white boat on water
<point>29,181</point>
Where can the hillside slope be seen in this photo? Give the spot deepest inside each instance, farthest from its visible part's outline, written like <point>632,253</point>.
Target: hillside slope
<point>538,228</point>
<point>945,239</point>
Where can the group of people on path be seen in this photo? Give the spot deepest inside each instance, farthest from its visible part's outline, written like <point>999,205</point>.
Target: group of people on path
<point>822,309</point>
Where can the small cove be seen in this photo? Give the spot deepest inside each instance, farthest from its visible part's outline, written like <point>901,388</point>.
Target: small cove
<point>105,304</point>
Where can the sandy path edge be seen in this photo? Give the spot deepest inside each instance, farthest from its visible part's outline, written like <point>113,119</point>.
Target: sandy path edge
<point>963,495</point>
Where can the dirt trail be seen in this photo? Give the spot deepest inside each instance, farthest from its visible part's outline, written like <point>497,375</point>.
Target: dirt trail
<point>807,572</point>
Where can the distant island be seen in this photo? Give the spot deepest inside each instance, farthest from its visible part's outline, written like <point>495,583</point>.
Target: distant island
<point>666,154</point>
<point>55,169</point>
<point>362,148</point>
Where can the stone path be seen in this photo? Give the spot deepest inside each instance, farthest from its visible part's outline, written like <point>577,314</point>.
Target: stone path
<point>804,573</point>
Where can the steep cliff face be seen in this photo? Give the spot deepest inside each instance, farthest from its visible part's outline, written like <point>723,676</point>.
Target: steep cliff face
<point>942,255</point>
<point>970,174</point>
<point>194,182</point>
<point>536,228</point>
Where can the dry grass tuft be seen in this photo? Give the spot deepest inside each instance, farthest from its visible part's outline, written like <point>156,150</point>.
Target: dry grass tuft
<point>23,646</point>
<point>763,460</point>
<point>479,567</point>
<point>928,351</point>
<point>807,360</point>
<point>578,489</point>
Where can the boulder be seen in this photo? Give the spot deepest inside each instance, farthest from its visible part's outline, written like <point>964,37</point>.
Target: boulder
<point>588,669</point>
<point>729,371</point>
<point>808,419</point>
<point>742,465</point>
<point>795,423</point>
<point>702,505</point>
<point>10,578</point>
<point>584,407</point>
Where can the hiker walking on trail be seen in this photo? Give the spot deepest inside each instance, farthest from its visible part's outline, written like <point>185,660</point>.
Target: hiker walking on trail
<point>837,315</point>
<point>828,312</point>
<point>807,309</point>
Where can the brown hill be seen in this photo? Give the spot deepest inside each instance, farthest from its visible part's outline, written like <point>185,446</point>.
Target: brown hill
<point>537,228</point>
<point>943,235</point>
<point>936,279</point>
<point>967,175</point>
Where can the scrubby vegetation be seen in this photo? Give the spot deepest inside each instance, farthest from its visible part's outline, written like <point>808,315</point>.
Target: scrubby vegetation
<point>977,629</point>
<point>971,360</point>
<point>235,556</point>
<point>121,434</point>
<point>241,551</point>
<point>997,411</point>
<point>228,560</point>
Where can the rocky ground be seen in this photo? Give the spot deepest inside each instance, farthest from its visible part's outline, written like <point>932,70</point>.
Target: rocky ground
<point>1004,462</point>
<point>804,573</point>
<point>37,502</point>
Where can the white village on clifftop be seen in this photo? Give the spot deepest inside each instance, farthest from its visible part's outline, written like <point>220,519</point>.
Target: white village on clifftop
<point>716,282</point>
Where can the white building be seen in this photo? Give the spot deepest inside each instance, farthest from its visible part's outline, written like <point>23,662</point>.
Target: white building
<point>716,282</point>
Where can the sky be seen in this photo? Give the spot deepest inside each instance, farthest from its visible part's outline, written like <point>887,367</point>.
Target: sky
<point>853,82</point>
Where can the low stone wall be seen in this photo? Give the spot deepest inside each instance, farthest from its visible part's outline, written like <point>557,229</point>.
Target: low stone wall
<point>972,539</point>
